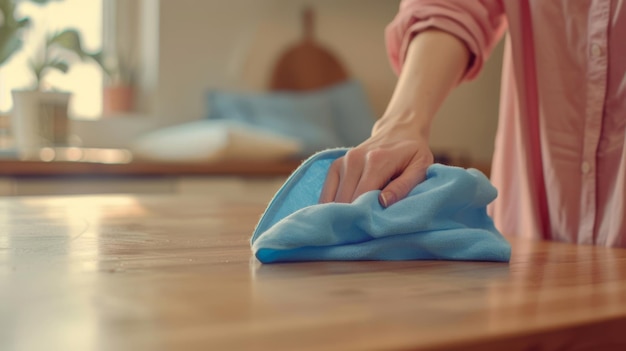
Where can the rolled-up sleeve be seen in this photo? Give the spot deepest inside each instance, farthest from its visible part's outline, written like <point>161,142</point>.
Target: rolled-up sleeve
<point>478,23</point>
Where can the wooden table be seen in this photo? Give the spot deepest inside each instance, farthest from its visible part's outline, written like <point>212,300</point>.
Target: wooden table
<point>176,273</point>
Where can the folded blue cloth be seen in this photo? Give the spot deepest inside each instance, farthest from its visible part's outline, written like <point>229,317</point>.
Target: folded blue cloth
<point>443,218</point>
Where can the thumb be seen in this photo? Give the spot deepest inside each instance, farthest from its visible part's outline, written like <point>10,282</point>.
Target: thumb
<point>401,186</point>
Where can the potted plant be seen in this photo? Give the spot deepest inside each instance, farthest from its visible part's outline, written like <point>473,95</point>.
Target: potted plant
<point>118,92</point>
<point>39,114</point>
<point>10,42</point>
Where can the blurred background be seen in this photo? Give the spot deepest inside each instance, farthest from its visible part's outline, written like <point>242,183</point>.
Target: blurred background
<point>152,96</point>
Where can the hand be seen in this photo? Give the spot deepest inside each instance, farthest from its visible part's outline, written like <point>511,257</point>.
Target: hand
<point>392,162</point>
<point>395,158</point>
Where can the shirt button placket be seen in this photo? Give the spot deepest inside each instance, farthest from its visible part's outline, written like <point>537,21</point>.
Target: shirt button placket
<point>597,70</point>
<point>596,50</point>
<point>585,167</point>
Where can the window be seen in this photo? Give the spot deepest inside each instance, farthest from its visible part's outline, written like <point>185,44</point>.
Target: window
<point>84,79</point>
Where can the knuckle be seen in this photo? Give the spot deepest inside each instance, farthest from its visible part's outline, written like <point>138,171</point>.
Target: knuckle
<point>422,160</point>
<point>377,156</point>
<point>336,165</point>
<point>429,158</point>
<point>354,156</point>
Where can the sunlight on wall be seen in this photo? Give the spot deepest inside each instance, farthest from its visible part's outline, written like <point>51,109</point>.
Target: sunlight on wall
<point>84,79</point>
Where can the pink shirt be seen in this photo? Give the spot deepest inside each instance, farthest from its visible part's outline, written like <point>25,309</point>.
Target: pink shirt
<point>560,157</point>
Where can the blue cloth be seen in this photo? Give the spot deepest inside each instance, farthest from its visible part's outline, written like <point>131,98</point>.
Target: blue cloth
<point>443,218</point>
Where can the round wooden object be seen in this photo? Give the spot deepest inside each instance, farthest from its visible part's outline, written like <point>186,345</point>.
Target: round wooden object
<point>307,65</point>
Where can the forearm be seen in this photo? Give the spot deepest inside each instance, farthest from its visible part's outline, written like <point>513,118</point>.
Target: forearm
<point>434,65</point>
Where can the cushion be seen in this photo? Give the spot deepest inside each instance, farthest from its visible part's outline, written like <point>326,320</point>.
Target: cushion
<point>214,141</point>
<point>339,115</point>
<point>352,113</point>
<point>305,117</point>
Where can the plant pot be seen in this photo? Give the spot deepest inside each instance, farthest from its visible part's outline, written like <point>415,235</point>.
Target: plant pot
<point>39,119</point>
<point>118,98</point>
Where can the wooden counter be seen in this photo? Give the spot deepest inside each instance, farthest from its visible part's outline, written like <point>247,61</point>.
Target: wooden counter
<point>176,273</point>
<point>144,168</point>
<point>15,168</point>
<point>26,178</point>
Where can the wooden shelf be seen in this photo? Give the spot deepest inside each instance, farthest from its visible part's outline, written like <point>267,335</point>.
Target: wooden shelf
<point>141,168</point>
<point>239,168</point>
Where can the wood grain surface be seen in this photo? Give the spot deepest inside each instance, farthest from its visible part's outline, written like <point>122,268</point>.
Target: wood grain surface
<point>176,273</point>
<point>144,168</point>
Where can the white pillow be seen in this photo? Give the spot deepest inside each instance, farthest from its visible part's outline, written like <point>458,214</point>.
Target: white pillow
<point>210,141</point>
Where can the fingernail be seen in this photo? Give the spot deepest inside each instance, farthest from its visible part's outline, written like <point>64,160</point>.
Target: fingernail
<point>386,199</point>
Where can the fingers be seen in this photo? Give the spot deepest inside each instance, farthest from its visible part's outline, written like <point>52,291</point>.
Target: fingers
<point>401,186</point>
<point>376,173</point>
<point>395,168</point>
<point>350,173</point>
<point>332,182</point>
<point>343,177</point>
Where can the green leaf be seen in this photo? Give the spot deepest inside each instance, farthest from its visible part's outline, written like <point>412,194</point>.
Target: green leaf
<point>24,22</point>
<point>7,7</point>
<point>37,69</point>
<point>68,39</point>
<point>62,66</point>
<point>9,44</point>
<point>42,2</point>
<point>10,28</point>
<point>98,57</point>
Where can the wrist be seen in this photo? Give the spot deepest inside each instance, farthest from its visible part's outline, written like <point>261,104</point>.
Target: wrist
<point>409,123</point>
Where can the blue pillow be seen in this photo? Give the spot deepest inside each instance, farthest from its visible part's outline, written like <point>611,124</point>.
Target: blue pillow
<point>339,115</point>
<point>353,115</point>
<point>306,117</point>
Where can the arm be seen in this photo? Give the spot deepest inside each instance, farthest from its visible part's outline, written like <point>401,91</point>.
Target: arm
<point>396,156</point>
